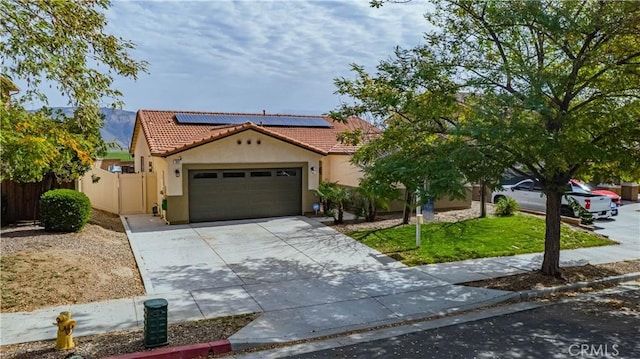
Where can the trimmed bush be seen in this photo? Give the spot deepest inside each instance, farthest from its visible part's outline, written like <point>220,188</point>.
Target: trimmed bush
<point>64,210</point>
<point>506,206</point>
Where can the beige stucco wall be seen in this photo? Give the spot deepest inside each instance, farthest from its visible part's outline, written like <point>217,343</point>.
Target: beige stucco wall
<point>255,150</point>
<point>337,168</point>
<point>446,204</point>
<point>441,204</point>
<point>141,150</point>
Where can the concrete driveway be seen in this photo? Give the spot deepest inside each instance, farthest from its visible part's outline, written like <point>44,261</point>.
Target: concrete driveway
<point>307,279</point>
<point>249,252</point>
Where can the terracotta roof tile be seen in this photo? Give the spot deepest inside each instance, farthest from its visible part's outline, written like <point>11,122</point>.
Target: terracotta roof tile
<point>166,136</point>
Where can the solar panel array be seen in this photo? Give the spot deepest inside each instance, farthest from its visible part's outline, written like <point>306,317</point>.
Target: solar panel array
<point>264,120</point>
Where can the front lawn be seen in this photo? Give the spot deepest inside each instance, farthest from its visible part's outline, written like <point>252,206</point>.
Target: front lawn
<point>474,238</point>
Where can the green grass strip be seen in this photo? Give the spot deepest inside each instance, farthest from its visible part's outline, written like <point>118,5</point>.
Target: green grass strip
<point>474,238</point>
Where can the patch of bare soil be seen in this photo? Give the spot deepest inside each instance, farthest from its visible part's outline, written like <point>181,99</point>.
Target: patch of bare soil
<point>41,269</point>
<point>130,341</point>
<point>536,280</point>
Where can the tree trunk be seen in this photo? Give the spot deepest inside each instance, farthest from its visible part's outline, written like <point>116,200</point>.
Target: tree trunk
<point>371,210</point>
<point>340,213</point>
<point>551,263</point>
<point>374,212</point>
<point>407,206</point>
<point>483,201</point>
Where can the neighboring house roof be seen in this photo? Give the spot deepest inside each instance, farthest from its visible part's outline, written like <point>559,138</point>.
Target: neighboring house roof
<point>166,136</point>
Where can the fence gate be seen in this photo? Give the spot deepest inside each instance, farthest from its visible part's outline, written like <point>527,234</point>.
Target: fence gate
<point>121,193</point>
<point>132,193</point>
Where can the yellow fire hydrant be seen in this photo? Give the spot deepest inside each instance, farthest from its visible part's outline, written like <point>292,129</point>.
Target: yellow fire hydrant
<point>65,331</point>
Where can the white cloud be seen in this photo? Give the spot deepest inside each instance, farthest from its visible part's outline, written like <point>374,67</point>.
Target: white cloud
<point>254,55</point>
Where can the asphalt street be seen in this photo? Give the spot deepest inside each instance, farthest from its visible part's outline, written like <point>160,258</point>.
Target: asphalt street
<point>593,326</point>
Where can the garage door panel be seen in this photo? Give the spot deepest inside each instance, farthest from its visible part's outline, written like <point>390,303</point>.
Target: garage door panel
<point>251,193</point>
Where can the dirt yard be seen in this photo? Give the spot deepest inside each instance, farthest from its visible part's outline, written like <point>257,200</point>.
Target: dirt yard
<point>42,269</point>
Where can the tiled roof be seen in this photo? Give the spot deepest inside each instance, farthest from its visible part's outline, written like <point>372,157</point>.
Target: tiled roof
<point>166,136</point>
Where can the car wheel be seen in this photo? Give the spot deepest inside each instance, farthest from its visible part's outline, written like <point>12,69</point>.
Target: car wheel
<point>567,212</point>
<point>497,198</point>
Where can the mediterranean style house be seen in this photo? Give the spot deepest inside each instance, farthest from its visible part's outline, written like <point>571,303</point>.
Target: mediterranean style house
<point>219,166</point>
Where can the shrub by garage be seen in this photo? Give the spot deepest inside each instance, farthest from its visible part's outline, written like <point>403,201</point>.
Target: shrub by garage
<point>64,210</point>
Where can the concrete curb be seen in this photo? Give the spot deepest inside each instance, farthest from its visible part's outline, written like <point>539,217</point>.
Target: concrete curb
<point>148,288</point>
<point>183,352</point>
<point>224,346</point>
<point>538,293</point>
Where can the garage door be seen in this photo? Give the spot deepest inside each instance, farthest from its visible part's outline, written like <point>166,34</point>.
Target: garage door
<point>236,194</point>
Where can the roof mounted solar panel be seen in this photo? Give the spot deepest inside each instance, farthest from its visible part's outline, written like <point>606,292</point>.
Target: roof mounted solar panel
<point>264,120</point>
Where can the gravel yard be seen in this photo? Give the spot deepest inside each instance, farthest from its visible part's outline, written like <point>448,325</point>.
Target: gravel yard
<point>395,219</point>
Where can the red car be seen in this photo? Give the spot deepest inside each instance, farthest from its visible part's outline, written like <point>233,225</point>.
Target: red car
<point>581,186</point>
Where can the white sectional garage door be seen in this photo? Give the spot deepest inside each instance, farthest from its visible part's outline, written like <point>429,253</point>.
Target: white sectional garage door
<point>216,195</point>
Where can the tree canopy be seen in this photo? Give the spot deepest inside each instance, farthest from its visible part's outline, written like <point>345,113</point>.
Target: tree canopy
<point>546,88</point>
<point>62,44</point>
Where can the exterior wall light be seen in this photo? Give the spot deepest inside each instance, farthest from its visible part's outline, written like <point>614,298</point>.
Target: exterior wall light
<point>177,172</point>
<point>313,170</point>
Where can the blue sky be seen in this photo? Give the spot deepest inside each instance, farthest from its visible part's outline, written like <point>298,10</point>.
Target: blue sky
<point>246,56</point>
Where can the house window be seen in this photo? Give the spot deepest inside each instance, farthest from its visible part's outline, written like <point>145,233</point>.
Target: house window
<point>141,163</point>
<point>261,174</point>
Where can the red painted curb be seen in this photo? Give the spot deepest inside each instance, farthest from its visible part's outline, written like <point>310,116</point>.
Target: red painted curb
<point>183,352</point>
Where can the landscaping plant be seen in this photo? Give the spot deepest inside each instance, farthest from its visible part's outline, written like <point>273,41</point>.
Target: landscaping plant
<point>333,196</point>
<point>64,210</point>
<point>506,206</point>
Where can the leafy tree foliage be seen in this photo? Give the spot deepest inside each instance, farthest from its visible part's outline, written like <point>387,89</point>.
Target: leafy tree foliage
<point>543,87</point>
<point>62,43</point>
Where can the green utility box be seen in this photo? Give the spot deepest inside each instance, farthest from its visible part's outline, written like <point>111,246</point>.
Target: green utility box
<point>155,323</point>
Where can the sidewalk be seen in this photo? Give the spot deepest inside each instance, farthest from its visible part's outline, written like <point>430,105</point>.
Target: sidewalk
<point>324,304</point>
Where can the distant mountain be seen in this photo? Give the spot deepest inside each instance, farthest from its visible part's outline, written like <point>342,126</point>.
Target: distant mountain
<point>118,125</point>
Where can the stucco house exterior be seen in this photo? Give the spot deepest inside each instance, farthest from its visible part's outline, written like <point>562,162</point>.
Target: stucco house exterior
<point>220,166</point>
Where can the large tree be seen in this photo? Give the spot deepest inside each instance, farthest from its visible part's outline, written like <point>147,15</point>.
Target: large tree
<point>59,44</point>
<point>416,108</point>
<point>552,90</point>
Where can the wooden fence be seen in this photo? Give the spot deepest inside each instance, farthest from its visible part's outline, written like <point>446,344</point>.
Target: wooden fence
<point>21,201</point>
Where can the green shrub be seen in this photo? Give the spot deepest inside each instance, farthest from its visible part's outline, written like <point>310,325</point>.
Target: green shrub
<point>333,197</point>
<point>505,206</point>
<point>64,210</point>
